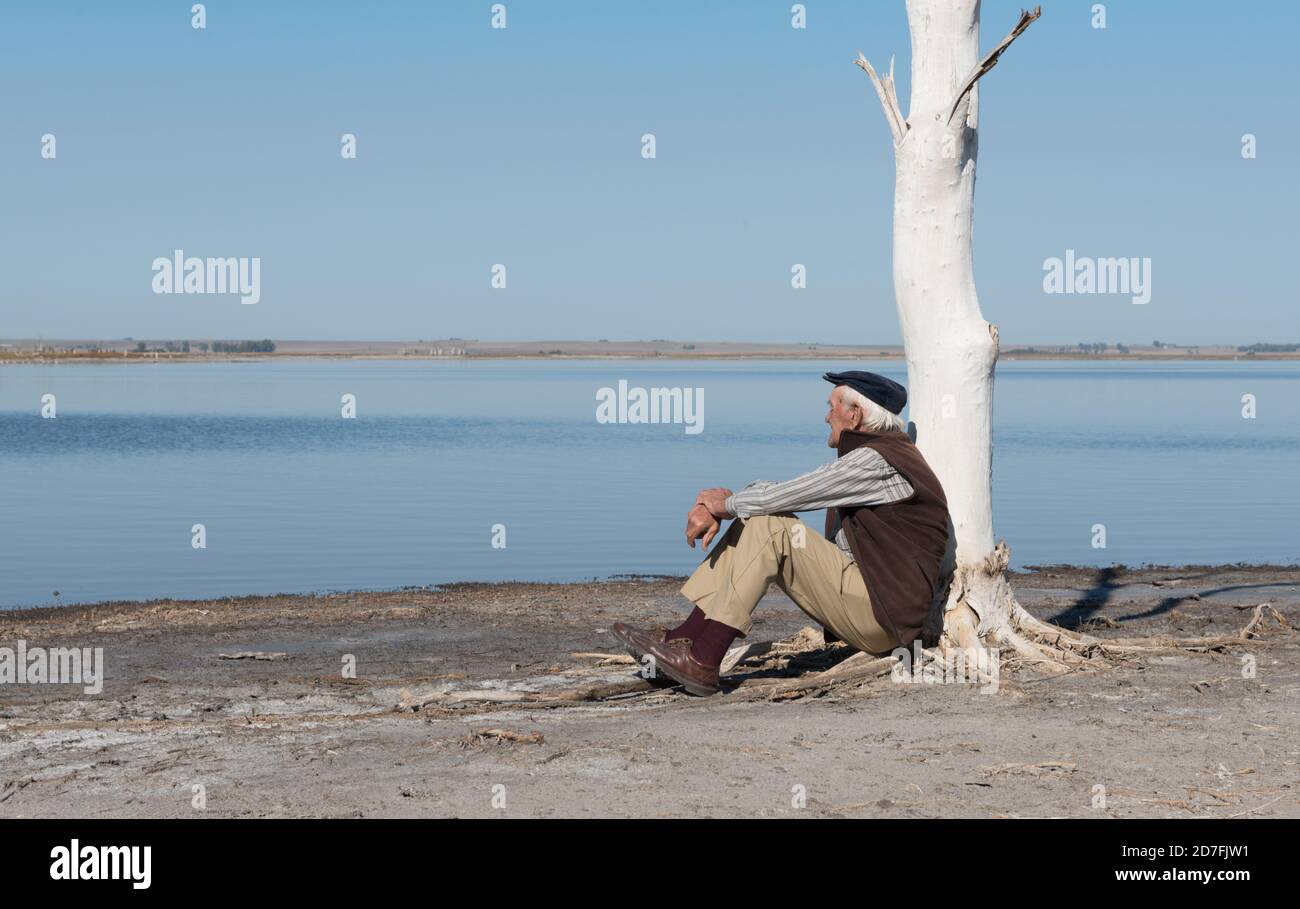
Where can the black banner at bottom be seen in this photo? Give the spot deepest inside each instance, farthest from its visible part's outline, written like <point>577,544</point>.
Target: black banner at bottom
<point>333,857</point>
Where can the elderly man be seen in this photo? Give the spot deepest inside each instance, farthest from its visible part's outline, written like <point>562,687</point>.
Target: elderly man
<point>870,582</point>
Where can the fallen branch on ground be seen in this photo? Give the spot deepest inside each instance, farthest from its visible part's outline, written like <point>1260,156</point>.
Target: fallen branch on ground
<point>856,668</point>
<point>606,659</point>
<point>496,736</point>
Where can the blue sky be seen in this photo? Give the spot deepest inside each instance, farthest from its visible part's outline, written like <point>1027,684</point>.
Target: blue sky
<point>522,146</point>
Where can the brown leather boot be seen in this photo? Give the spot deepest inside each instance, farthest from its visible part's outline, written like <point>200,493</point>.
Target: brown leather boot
<point>638,640</point>
<point>673,659</point>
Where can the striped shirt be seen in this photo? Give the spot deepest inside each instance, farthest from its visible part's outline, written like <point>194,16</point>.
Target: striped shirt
<point>861,477</point>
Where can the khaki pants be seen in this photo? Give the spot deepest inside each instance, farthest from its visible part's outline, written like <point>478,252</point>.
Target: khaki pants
<point>822,581</point>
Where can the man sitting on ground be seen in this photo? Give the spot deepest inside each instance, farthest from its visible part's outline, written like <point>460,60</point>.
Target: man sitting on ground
<point>870,582</point>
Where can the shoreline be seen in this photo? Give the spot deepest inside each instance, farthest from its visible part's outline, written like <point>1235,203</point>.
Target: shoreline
<point>1026,571</point>
<point>46,360</point>
<point>29,350</point>
<point>460,693</point>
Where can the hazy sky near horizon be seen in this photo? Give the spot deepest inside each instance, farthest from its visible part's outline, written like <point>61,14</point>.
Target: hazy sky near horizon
<point>522,146</point>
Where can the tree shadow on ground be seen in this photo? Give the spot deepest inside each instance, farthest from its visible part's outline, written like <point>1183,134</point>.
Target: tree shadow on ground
<point>1108,581</point>
<point>1093,600</point>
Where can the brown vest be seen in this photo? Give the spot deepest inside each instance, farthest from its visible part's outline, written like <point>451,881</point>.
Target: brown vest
<point>899,547</point>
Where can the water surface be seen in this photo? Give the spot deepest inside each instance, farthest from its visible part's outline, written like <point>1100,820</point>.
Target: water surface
<point>99,502</point>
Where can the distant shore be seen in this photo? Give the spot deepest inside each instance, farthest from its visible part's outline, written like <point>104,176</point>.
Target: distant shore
<point>130,350</point>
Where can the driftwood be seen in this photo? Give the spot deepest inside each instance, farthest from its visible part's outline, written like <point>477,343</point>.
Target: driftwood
<point>859,667</point>
<point>1253,626</point>
<point>737,655</point>
<point>606,659</point>
<point>1251,632</point>
<point>496,736</point>
<point>598,691</point>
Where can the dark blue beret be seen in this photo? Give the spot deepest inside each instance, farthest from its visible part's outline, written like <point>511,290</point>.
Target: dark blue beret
<point>885,392</point>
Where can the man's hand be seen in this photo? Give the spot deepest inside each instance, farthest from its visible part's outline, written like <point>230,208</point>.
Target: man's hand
<point>701,523</point>
<point>715,500</point>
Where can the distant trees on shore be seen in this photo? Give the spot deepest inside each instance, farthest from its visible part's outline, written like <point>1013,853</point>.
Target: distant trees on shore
<point>1088,349</point>
<point>1270,348</point>
<point>264,346</point>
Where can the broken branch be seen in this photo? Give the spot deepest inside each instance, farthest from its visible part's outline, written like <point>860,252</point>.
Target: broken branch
<point>991,58</point>
<point>888,96</point>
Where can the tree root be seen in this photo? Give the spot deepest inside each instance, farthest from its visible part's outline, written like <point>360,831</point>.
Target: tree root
<point>981,610</point>
<point>981,613</point>
<point>1254,628</point>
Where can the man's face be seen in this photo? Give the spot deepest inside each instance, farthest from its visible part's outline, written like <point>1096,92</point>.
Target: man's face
<point>840,417</point>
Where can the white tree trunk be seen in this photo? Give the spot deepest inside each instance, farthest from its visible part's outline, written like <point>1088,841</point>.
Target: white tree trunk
<point>951,350</point>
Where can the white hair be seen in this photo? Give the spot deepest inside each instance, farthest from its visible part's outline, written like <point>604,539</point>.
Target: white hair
<point>874,417</point>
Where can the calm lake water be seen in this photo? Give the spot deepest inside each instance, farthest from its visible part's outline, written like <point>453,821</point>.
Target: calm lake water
<point>99,502</point>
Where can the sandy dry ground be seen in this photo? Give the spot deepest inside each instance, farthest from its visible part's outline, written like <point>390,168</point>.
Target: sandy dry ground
<point>1179,733</point>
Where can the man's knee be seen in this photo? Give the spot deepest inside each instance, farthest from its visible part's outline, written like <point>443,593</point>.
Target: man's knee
<point>769,524</point>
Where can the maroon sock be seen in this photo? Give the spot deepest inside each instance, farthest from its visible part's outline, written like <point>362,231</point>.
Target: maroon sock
<point>691,628</point>
<point>710,645</point>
